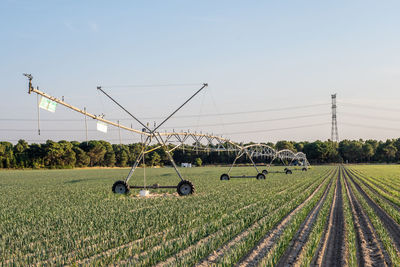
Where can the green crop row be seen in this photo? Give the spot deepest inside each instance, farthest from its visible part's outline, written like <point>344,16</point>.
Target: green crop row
<point>378,226</point>
<point>383,189</point>
<point>350,228</point>
<point>282,244</point>
<point>388,208</point>
<point>388,174</point>
<point>311,246</point>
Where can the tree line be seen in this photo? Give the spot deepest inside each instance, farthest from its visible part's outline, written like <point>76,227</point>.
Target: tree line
<point>98,153</point>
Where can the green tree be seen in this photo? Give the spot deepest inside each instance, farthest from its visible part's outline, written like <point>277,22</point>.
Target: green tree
<point>95,150</point>
<point>155,159</point>
<point>368,151</point>
<point>121,155</point>
<point>109,157</point>
<point>280,145</point>
<point>390,152</point>
<point>20,153</point>
<point>82,160</point>
<point>198,162</point>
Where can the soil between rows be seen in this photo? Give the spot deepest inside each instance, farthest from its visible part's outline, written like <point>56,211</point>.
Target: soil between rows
<point>335,247</point>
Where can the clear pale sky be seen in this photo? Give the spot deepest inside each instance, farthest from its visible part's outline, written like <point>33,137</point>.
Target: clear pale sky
<point>255,55</point>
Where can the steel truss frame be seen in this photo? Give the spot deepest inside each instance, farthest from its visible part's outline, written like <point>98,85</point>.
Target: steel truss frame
<point>181,140</point>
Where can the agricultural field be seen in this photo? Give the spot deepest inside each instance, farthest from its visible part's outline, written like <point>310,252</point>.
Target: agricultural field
<point>329,215</point>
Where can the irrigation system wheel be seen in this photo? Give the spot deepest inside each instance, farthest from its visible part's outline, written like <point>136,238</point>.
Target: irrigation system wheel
<point>265,172</point>
<point>225,177</point>
<point>288,171</point>
<point>260,176</point>
<point>120,187</point>
<point>185,188</point>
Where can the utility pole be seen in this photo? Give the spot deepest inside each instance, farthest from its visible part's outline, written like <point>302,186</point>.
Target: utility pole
<point>334,131</point>
<point>119,134</point>
<point>86,127</point>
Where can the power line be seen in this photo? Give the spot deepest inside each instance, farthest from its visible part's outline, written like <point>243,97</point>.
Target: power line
<point>244,132</point>
<point>278,129</point>
<point>187,126</point>
<point>370,117</point>
<point>185,116</point>
<point>250,122</point>
<point>44,140</point>
<point>50,130</point>
<point>249,112</point>
<point>149,85</point>
<point>370,127</point>
<point>369,107</point>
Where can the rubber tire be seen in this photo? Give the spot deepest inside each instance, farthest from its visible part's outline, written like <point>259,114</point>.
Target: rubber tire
<point>118,183</point>
<point>225,177</point>
<point>288,171</point>
<point>304,169</point>
<point>265,172</point>
<point>180,188</point>
<point>260,176</point>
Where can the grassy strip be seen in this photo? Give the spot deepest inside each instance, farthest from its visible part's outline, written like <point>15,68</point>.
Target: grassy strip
<point>378,226</point>
<point>280,247</point>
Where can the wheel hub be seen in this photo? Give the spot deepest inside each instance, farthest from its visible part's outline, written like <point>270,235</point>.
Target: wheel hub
<point>120,189</point>
<point>186,189</point>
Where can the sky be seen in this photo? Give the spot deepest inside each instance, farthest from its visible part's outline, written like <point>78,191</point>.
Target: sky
<point>271,67</point>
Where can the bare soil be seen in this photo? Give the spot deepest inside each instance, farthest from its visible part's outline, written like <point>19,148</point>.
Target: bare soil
<point>335,246</point>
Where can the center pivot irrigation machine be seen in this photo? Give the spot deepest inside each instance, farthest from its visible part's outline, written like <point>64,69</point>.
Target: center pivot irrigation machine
<point>287,157</point>
<point>169,141</point>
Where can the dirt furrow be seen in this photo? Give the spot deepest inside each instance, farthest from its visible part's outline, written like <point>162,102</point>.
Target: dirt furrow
<point>258,252</point>
<point>391,226</point>
<point>369,250</point>
<point>333,254</point>
<point>292,252</point>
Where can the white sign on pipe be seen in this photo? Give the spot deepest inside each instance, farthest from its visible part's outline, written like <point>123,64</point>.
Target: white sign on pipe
<point>101,127</point>
<point>47,104</point>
